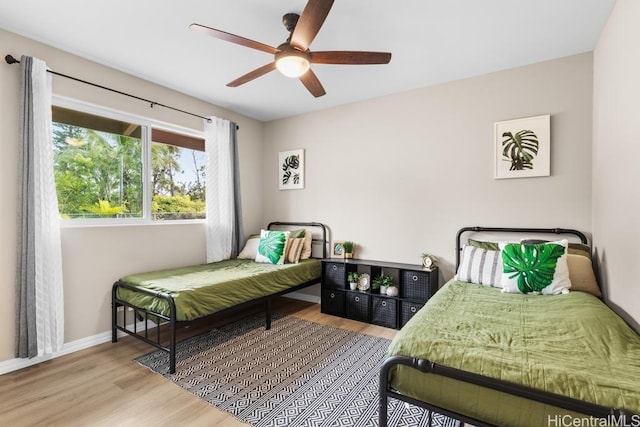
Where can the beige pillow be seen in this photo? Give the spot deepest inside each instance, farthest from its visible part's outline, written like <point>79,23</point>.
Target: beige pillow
<point>250,249</point>
<point>306,250</point>
<point>581,275</point>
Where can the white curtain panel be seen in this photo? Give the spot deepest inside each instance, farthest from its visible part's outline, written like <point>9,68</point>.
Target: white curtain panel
<point>40,241</point>
<point>220,185</point>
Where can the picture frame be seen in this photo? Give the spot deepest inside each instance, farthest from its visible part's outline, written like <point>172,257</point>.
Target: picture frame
<point>337,249</point>
<point>291,169</point>
<point>522,147</point>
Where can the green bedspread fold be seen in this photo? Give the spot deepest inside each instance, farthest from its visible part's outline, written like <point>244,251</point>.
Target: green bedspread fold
<point>207,288</point>
<point>572,345</point>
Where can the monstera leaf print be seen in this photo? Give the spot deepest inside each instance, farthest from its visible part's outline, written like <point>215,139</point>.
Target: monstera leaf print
<point>272,246</point>
<point>532,265</point>
<point>520,149</point>
<point>291,162</point>
<point>286,177</point>
<point>290,166</point>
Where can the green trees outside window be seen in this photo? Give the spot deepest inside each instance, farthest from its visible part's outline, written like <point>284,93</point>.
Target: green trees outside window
<point>99,173</point>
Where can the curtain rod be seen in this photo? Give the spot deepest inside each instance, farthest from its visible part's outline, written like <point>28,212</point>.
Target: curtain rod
<point>11,60</point>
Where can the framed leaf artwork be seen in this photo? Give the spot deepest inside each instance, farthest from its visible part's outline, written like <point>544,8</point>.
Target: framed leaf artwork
<point>291,169</point>
<point>522,147</point>
<point>337,249</point>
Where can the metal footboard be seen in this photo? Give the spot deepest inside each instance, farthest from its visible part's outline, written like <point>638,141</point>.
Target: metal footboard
<point>174,324</point>
<point>427,367</point>
<point>145,314</point>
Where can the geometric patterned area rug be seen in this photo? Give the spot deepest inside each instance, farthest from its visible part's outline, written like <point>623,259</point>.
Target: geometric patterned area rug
<point>298,373</point>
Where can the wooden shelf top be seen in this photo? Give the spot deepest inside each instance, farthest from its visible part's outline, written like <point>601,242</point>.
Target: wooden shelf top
<point>383,264</point>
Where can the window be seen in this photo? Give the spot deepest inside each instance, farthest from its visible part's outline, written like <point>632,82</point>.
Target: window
<point>101,160</point>
<point>177,178</point>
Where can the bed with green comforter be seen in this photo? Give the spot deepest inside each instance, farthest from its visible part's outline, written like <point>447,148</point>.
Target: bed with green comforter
<point>571,345</point>
<point>179,296</point>
<point>205,289</point>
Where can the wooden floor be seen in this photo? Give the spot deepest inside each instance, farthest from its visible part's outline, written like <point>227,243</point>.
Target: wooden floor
<point>103,386</point>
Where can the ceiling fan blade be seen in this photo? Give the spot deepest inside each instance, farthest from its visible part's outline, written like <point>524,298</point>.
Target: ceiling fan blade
<point>311,82</point>
<point>258,72</point>
<point>350,57</point>
<point>311,19</point>
<point>233,38</point>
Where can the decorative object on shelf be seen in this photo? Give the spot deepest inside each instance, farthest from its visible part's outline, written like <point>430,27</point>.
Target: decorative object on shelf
<point>291,169</point>
<point>522,147</point>
<point>428,261</point>
<point>364,282</point>
<point>393,291</point>
<point>349,248</point>
<point>383,282</point>
<point>352,278</point>
<point>337,249</point>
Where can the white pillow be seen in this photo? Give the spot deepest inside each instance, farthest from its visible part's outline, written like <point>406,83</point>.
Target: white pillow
<point>481,266</point>
<point>271,247</point>
<point>250,249</point>
<point>539,268</point>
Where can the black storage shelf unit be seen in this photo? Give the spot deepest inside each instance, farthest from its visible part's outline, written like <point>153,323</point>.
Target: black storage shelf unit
<point>415,284</point>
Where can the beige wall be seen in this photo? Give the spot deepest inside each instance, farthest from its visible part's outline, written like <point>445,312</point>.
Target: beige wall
<point>94,257</point>
<point>616,150</point>
<point>400,175</point>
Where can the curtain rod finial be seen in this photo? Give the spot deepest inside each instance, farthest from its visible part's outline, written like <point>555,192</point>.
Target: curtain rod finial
<point>11,60</point>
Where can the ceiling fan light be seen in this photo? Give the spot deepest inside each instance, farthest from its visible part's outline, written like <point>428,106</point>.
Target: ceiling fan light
<point>292,65</point>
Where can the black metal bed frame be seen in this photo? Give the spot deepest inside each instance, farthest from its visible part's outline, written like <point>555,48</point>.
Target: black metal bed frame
<point>157,318</point>
<point>426,366</point>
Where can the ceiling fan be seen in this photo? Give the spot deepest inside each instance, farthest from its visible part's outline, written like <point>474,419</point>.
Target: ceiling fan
<point>293,57</point>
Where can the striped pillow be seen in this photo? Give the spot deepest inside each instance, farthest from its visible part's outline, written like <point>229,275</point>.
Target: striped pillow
<point>481,266</point>
<point>294,250</point>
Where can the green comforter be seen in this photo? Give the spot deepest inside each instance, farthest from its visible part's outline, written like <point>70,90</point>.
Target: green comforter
<point>205,289</point>
<point>572,345</point>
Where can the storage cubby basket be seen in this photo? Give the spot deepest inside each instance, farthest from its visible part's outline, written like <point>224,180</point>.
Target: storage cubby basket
<point>334,274</point>
<point>332,302</point>
<point>407,310</point>
<point>416,285</point>
<point>358,306</point>
<point>384,312</point>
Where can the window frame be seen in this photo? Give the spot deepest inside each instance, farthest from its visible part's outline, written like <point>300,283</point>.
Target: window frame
<point>146,124</point>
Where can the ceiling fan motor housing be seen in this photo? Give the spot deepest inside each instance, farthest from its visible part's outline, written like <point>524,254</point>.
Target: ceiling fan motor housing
<point>290,20</point>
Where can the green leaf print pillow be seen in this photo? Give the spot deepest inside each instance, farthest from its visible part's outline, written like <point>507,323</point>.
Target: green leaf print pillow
<point>271,246</point>
<point>535,268</point>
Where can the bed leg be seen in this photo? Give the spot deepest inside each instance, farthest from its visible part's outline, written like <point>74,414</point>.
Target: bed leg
<point>172,346</point>
<point>382,410</point>
<point>114,316</point>
<point>383,399</point>
<point>267,325</point>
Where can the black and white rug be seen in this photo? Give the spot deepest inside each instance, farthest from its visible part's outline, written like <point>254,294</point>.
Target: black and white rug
<point>298,373</point>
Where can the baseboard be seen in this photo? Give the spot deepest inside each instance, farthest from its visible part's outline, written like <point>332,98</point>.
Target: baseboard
<point>303,297</point>
<point>67,348</point>
<point>83,343</point>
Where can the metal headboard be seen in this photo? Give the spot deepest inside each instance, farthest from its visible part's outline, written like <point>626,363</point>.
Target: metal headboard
<point>463,230</point>
<point>322,227</point>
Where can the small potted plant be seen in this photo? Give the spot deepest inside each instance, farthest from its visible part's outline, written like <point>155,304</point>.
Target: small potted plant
<point>352,278</point>
<point>383,282</point>
<point>348,247</point>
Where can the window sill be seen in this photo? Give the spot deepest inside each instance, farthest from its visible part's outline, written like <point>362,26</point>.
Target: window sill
<point>76,223</point>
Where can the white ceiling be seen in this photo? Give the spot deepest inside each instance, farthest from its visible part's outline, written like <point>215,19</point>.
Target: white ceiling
<point>432,41</point>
